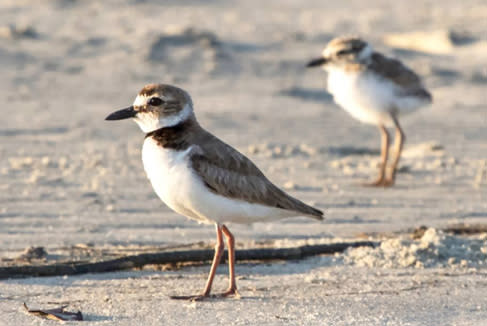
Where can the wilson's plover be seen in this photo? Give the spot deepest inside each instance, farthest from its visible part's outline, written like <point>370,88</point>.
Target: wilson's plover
<point>199,176</point>
<point>374,89</point>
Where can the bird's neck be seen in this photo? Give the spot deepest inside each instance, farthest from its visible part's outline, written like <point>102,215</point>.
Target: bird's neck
<point>175,137</point>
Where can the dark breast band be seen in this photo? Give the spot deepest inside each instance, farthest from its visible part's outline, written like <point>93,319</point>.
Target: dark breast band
<point>174,137</point>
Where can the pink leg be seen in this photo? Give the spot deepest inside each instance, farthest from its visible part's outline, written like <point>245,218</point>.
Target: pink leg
<point>398,145</point>
<point>384,154</point>
<point>211,276</point>
<point>232,288</point>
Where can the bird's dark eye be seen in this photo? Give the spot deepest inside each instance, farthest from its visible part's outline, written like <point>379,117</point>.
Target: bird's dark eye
<point>155,101</point>
<point>355,48</point>
<point>343,52</point>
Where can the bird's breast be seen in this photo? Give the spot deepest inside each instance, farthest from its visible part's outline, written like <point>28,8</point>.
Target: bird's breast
<point>340,81</point>
<point>364,95</point>
<point>169,173</point>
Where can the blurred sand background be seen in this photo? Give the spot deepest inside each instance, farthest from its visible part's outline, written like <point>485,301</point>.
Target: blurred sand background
<point>68,177</point>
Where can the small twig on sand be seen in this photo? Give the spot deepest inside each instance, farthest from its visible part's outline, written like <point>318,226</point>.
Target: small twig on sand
<point>55,313</point>
<point>138,261</point>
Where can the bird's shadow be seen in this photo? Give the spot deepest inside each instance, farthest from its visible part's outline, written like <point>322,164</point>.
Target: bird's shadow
<point>307,94</point>
<point>95,317</point>
<point>352,150</point>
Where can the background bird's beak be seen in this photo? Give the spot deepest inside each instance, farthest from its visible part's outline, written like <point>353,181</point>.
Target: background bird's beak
<point>316,62</point>
<point>122,114</point>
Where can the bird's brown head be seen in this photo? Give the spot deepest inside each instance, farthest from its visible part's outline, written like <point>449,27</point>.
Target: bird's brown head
<point>343,51</point>
<point>157,106</point>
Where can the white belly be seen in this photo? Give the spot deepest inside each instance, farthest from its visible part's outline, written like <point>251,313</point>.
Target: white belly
<point>184,192</point>
<point>367,98</point>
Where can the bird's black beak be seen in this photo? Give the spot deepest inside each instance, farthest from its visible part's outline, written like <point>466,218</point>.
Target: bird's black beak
<point>316,62</point>
<point>122,114</point>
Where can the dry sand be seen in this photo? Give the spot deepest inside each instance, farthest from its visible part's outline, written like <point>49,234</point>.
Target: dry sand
<point>68,177</point>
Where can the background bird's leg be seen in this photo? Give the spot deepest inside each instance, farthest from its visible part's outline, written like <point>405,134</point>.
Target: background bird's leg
<point>232,288</point>
<point>384,153</point>
<point>216,260</point>
<point>398,145</point>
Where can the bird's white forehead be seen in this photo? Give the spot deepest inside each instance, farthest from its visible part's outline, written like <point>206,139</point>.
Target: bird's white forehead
<point>326,52</point>
<point>141,100</point>
<point>332,47</point>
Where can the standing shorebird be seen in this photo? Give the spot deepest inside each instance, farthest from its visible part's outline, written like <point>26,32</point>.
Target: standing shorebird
<point>199,176</point>
<point>374,89</point>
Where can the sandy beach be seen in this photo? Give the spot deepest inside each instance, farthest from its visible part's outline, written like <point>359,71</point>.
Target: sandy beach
<point>69,178</point>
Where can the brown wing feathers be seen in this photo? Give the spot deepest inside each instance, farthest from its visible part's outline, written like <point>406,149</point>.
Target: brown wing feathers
<point>399,74</point>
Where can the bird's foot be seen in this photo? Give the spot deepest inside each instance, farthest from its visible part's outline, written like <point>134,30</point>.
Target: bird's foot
<point>231,292</point>
<point>196,297</point>
<point>380,182</point>
<point>388,182</point>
